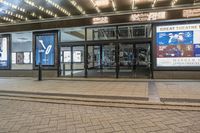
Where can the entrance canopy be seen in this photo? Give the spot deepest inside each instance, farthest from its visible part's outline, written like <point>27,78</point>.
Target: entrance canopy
<point>16,11</point>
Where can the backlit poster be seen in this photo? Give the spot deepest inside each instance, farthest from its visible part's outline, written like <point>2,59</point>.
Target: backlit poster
<point>3,52</point>
<point>178,45</point>
<point>27,57</point>
<point>67,56</point>
<point>77,56</point>
<point>46,45</point>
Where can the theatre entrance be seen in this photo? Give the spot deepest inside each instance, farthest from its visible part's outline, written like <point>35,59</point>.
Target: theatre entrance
<point>121,60</point>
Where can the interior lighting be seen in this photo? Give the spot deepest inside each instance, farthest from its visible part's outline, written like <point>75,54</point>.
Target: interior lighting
<point>96,6</point>
<point>154,2</point>
<point>78,7</point>
<point>102,3</point>
<point>31,3</point>
<point>7,19</point>
<point>59,8</point>
<point>174,2</point>
<point>15,15</point>
<point>114,5</point>
<point>133,4</point>
<point>12,6</point>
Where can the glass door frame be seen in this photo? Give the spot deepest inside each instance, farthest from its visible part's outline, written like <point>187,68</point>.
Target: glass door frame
<point>71,47</point>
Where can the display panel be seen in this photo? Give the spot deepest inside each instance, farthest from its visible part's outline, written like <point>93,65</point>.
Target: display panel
<point>77,56</point>
<point>4,60</point>
<point>67,56</point>
<point>46,45</point>
<point>178,45</point>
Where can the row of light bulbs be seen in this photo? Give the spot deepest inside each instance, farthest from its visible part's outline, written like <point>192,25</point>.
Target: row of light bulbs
<point>31,3</point>
<point>78,7</point>
<point>59,7</point>
<point>15,15</point>
<point>7,19</point>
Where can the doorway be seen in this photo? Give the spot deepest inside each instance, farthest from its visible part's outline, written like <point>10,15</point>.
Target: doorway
<point>72,61</point>
<point>101,60</point>
<point>134,60</point>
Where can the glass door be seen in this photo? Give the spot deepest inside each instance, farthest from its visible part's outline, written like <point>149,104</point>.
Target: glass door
<point>134,60</point>
<point>127,60</point>
<point>101,60</point>
<point>143,69</point>
<point>72,61</point>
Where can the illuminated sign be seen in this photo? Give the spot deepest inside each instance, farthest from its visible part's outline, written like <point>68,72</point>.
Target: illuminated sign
<point>191,13</point>
<point>45,44</point>
<point>178,45</point>
<point>4,61</point>
<point>100,20</point>
<point>150,16</point>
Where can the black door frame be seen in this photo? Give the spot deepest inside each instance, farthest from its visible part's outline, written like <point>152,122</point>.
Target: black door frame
<point>116,43</point>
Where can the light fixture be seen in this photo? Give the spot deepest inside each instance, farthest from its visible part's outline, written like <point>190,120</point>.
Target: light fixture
<point>114,5</point>
<point>12,6</point>
<point>174,2</point>
<point>63,10</point>
<point>133,4</point>
<point>102,3</point>
<point>31,3</point>
<point>95,5</point>
<point>7,19</point>
<point>154,2</point>
<point>77,6</point>
<point>15,15</point>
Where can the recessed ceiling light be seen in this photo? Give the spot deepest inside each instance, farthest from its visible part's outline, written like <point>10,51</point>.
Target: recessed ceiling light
<point>102,3</point>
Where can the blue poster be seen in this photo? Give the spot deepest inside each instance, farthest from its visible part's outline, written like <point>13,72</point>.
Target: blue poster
<point>46,45</point>
<point>196,50</point>
<point>174,38</point>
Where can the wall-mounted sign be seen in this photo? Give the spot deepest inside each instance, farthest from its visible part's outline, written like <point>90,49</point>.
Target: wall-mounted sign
<point>4,61</point>
<point>178,45</point>
<point>191,13</point>
<point>100,20</point>
<point>46,45</point>
<point>150,16</point>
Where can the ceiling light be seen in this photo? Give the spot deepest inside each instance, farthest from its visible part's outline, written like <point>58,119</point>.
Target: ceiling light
<point>95,5</point>
<point>78,7</point>
<point>59,8</point>
<point>113,5</point>
<point>102,3</point>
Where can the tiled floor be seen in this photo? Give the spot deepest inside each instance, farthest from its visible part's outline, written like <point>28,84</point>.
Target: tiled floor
<point>35,117</point>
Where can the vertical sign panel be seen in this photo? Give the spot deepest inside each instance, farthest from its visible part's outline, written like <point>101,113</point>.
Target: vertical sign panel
<point>46,45</point>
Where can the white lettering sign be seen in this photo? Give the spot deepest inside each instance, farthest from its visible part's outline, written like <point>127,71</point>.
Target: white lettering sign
<point>100,20</point>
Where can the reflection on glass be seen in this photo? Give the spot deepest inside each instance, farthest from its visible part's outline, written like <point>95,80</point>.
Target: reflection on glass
<point>72,34</point>
<point>22,50</point>
<point>105,33</point>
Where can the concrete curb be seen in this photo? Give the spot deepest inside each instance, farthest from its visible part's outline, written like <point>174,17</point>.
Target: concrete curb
<point>89,101</point>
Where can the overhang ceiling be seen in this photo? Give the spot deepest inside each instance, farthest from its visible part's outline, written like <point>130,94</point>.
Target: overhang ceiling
<point>15,11</point>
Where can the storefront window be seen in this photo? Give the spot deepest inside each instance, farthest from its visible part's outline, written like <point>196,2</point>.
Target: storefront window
<point>22,50</point>
<point>105,33</point>
<point>134,31</point>
<point>72,34</point>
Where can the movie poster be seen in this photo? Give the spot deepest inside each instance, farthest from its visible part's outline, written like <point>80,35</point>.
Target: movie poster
<point>3,52</point>
<point>77,56</point>
<point>45,44</point>
<point>178,45</point>
<point>67,56</point>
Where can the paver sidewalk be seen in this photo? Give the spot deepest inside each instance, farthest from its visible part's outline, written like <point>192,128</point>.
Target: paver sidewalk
<point>181,91</point>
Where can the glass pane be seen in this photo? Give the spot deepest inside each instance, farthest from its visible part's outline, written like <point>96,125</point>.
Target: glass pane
<point>78,61</point>
<point>72,34</point>
<point>105,33</point>
<point>22,50</point>
<point>126,60</point>
<point>65,60</point>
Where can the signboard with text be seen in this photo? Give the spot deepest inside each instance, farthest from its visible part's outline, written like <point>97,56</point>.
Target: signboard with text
<point>178,45</point>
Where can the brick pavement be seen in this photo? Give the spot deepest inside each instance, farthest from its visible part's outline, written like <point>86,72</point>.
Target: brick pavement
<point>35,117</point>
